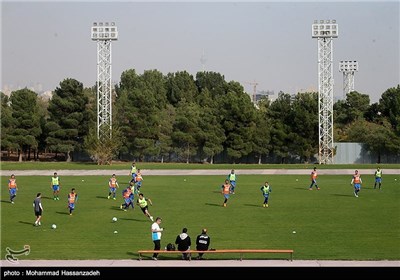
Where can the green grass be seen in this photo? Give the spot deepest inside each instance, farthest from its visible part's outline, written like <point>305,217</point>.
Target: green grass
<point>330,224</point>
<point>33,165</point>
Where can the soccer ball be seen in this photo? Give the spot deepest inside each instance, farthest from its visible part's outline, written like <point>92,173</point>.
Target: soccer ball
<point>114,219</point>
<point>53,226</point>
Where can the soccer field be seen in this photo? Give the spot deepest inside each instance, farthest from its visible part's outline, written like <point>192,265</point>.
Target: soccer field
<point>329,224</point>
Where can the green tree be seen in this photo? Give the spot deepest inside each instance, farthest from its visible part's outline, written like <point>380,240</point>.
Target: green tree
<point>303,122</point>
<point>238,120</point>
<point>280,115</point>
<point>67,125</point>
<point>379,138</point>
<point>105,150</point>
<point>186,130</point>
<point>7,125</point>
<point>180,85</point>
<point>262,137</point>
<point>26,115</point>
<point>390,105</point>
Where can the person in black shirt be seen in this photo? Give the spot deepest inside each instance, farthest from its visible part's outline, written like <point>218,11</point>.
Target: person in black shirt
<point>202,243</point>
<point>183,241</point>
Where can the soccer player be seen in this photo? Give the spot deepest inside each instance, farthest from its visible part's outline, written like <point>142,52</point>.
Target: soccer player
<point>55,185</point>
<point>72,199</point>
<point>142,202</point>
<point>226,190</point>
<point>138,178</point>
<point>313,179</point>
<point>356,181</point>
<point>266,189</point>
<point>127,194</point>
<point>133,170</point>
<point>232,180</point>
<point>38,209</point>
<point>113,185</point>
<point>378,178</point>
<point>12,188</point>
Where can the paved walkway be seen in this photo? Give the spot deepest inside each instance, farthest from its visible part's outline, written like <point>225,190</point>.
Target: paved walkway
<point>188,172</point>
<point>198,263</point>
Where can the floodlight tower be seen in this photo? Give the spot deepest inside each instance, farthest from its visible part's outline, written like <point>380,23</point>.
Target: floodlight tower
<point>348,67</point>
<point>103,33</point>
<point>325,31</point>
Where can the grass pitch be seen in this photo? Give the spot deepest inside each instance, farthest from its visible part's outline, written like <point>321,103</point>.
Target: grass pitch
<point>329,224</point>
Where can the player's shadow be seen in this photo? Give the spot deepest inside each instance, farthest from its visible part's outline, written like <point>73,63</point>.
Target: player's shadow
<point>62,213</point>
<point>136,220</point>
<point>101,197</point>
<point>303,189</point>
<point>46,197</point>
<point>339,194</point>
<point>213,204</point>
<point>252,205</point>
<point>5,201</point>
<point>216,191</point>
<point>26,223</point>
<point>116,208</point>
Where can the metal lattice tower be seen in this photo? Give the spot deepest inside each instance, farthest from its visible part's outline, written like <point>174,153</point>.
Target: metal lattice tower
<point>103,33</point>
<point>348,67</point>
<point>325,31</point>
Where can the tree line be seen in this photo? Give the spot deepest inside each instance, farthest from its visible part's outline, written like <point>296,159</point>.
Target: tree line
<point>181,118</point>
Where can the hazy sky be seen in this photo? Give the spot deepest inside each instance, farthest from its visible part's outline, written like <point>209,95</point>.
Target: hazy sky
<point>45,42</point>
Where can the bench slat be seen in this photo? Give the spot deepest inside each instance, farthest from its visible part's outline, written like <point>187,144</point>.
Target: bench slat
<point>240,251</point>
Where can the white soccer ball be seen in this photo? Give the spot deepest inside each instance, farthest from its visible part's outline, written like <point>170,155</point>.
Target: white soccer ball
<point>114,219</point>
<point>53,226</point>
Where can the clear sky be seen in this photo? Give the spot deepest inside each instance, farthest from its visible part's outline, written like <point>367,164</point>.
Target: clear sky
<point>270,43</point>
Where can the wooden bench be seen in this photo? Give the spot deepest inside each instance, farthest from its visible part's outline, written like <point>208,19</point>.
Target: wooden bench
<point>239,251</point>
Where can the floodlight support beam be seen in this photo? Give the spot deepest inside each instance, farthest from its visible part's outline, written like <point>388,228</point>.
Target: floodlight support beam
<point>325,31</point>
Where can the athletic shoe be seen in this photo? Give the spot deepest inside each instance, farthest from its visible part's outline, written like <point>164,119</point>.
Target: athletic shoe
<point>317,189</point>
<point>154,258</point>
<point>266,205</point>
<point>120,207</point>
<point>114,198</point>
<point>58,198</point>
<point>108,197</point>
<point>12,202</point>
<point>310,189</point>
<point>54,198</point>
<point>39,223</point>
<point>151,218</point>
<point>224,205</point>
